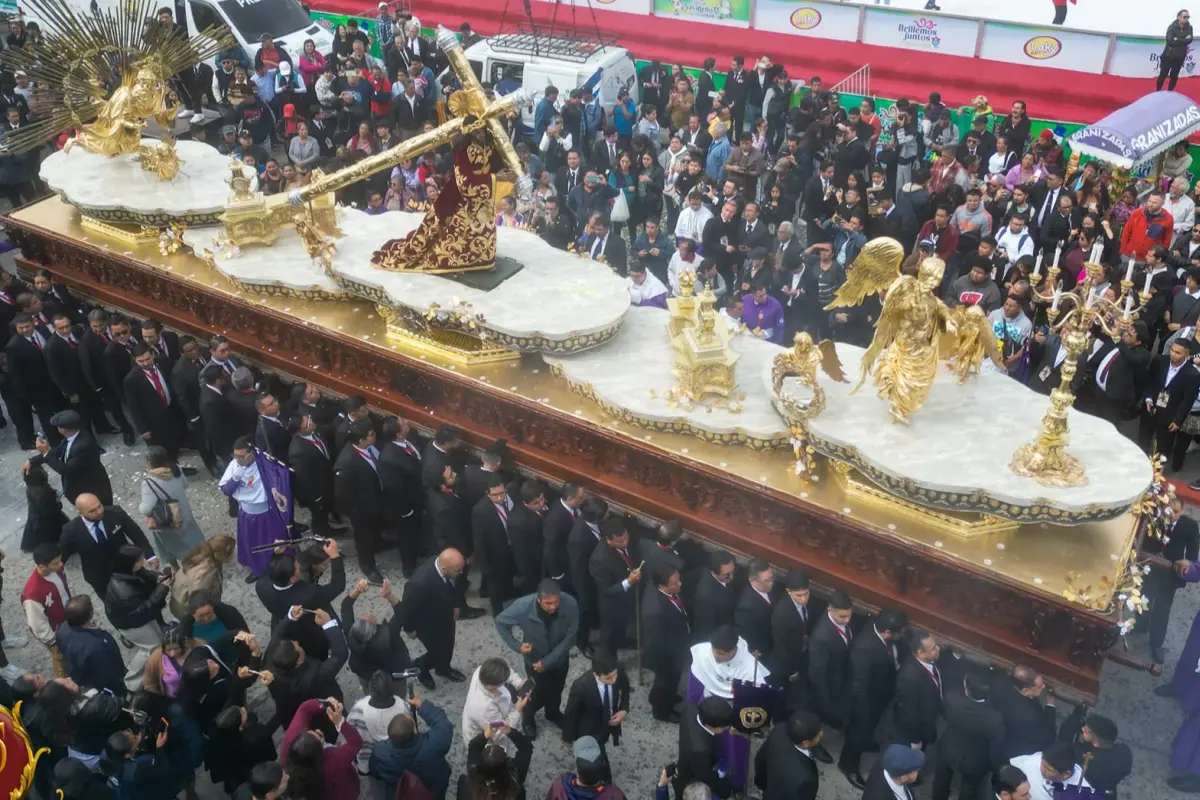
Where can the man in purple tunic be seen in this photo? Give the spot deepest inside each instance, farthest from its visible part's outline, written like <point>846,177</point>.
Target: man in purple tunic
<point>762,314</point>
<point>262,489</point>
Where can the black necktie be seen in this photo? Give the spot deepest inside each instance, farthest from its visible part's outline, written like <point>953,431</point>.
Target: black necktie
<point>608,709</point>
<point>100,536</point>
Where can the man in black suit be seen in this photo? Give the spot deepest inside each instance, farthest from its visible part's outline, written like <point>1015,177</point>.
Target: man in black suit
<point>1047,355</point>
<point>30,381</point>
<point>270,431</point>
<point>604,153</point>
<point>701,755</point>
<point>791,623</point>
<point>430,608</point>
<point>76,459</point>
<point>720,239</point>
<point>185,382</point>
<point>556,527</point>
<point>735,91</point>
<point>490,519</point>
<point>1030,723</point>
<point>665,639</point>
<point>164,343</point>
<point>359,493</point>
<point>525,536</point>
<point>221,354</point>
<point>57,299</point>
<point>1168,397</point>
<point>157,417</point>
<point>282,586</point>
<point>477,477</point>
<point>92,346</point>
<point>597,702</point>
<point>1108,761</point>
<point>400,474</point>
<point>217,414</point>
<point>714,598</point>
<point>441,452</point>
<point>97,535</point>
<point>917,705</point>
<point>752,614</point>
<point>754,233</point>
<point>66,370</point>
<point>1116,375</point>
<point>972,744</point>
<point>118,355</point>
<point>311,462</point>
<point>874,662</point>
<point>1055,227</point>
<point>409,111</point>
<point>696,135</point>
<point>894,774</point>
<point>606,243</point>
<point>819,202</point>
<point>354,408</point>
<point>659,554</point>
<point>581,541</point>
<point>616,576</point>
<point>786,767</point>
<point>829,661</point>
<point>569,176</point>
<point>1161,583</point>
<point>800,287</point>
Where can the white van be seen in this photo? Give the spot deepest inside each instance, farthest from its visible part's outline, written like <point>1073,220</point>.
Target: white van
<point>538,61</point>
<point>285,20</point>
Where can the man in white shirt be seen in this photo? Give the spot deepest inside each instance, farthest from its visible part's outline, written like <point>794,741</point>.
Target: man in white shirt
<point>1049,770</point>
<point>1012,244</point>
<point>1182,207</point>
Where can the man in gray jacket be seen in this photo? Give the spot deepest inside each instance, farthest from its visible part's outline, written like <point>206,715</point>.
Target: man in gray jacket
<point>549,621</point>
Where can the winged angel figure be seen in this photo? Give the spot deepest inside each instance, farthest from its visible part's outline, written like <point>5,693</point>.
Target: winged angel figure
<point>105,74</point>
<point>903,355</point>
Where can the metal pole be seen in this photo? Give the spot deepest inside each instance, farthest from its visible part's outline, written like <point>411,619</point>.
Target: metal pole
<point>637,605</point>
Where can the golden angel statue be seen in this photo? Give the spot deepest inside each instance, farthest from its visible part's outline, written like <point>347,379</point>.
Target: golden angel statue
<point>105,75</point>
<point>974,340</point>
<point>801,363</point>
<point>903,355</point>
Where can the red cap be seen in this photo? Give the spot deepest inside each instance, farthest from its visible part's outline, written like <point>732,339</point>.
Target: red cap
<point>289,111</point>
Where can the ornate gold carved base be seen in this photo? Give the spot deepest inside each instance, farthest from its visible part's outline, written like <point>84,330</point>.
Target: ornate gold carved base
<point>1049,465</point>
<point>411,330</point>
<point>963,524</point>
<point>127,234</point>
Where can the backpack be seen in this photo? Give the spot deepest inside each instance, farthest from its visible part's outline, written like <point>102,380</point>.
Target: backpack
<point>411,788</point>
<point>166,512</point>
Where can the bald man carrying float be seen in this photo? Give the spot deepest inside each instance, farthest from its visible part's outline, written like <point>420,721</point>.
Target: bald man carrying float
<point>97,534</point>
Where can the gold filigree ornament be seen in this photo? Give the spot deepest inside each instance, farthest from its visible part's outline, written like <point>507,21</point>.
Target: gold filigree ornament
<point>466,104</point>
<point>104,74</point>
<point>458,316</point>
<point>801,364</point>
<point>170,239</point>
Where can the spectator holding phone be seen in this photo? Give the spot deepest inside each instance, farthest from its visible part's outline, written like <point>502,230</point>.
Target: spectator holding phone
<point>496,695</point>
<point>491,774</point>
<point>316,769</point>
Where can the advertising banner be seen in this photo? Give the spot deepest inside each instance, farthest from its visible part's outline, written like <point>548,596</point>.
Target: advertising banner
<point>927,33</point>
<point>823,20</point>
<point>1138,58</point>
<point>735,13</point>
<point>626,6</point>
<point>1044,47</point>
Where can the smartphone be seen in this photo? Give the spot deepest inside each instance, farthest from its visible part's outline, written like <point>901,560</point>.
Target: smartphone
<point>526,687</point>
<point>671,769</point>
<point>499,723</point>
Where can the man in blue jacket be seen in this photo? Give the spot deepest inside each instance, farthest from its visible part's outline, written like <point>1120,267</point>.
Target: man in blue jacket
<point>421,753</point>
<point>91,654</point>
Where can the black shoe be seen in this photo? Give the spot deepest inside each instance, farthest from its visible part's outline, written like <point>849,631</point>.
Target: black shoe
<point>251,577</point>
<point>821,754</point>
<point>127,438</point>
<point>189,471</point>
<point>450,674</point>
<point>555,719</point>
<point>1156,656</point>
<point>373,576</point>
<point>529,728</point>
<point>470,612</point>
<point>1188,784</point>
<point>3,423</point>
<point>426,680</point>
<point>1166,690</point>
<point>855,779</point>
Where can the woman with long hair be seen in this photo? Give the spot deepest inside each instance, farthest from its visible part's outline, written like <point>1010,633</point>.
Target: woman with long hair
<point>200,571</point>
<point>164,668</point>
<point>44,517</point>
<point>649,200</point>
<point>363,141</point>
<point>491,774</point>
<point>343,45</point>
<point>316,771</point>
<point>76,782</point>
<point>622,178</point>
<point>165,484</point>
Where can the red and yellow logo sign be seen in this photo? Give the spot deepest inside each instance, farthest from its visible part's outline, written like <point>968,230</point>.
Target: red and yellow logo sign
<point>806,18</point>
<point>1043,47</point>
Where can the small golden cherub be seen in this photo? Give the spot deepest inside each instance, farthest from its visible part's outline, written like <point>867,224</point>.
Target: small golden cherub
<point>973,340</point>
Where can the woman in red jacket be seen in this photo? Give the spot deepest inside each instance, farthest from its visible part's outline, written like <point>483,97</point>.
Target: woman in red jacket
<point>317,772</point>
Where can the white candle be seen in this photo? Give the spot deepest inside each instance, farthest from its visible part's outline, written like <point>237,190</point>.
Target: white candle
<point>1057,294</point>
<point>1097,252</point>
<point>1037,265</point>
<point>1147,289</point>
<point>1057,253</point>
<point>1128,304</point>
<point>1128,271</point>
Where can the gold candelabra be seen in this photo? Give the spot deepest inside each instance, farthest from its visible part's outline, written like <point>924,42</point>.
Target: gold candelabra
<point>1082,310</point>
